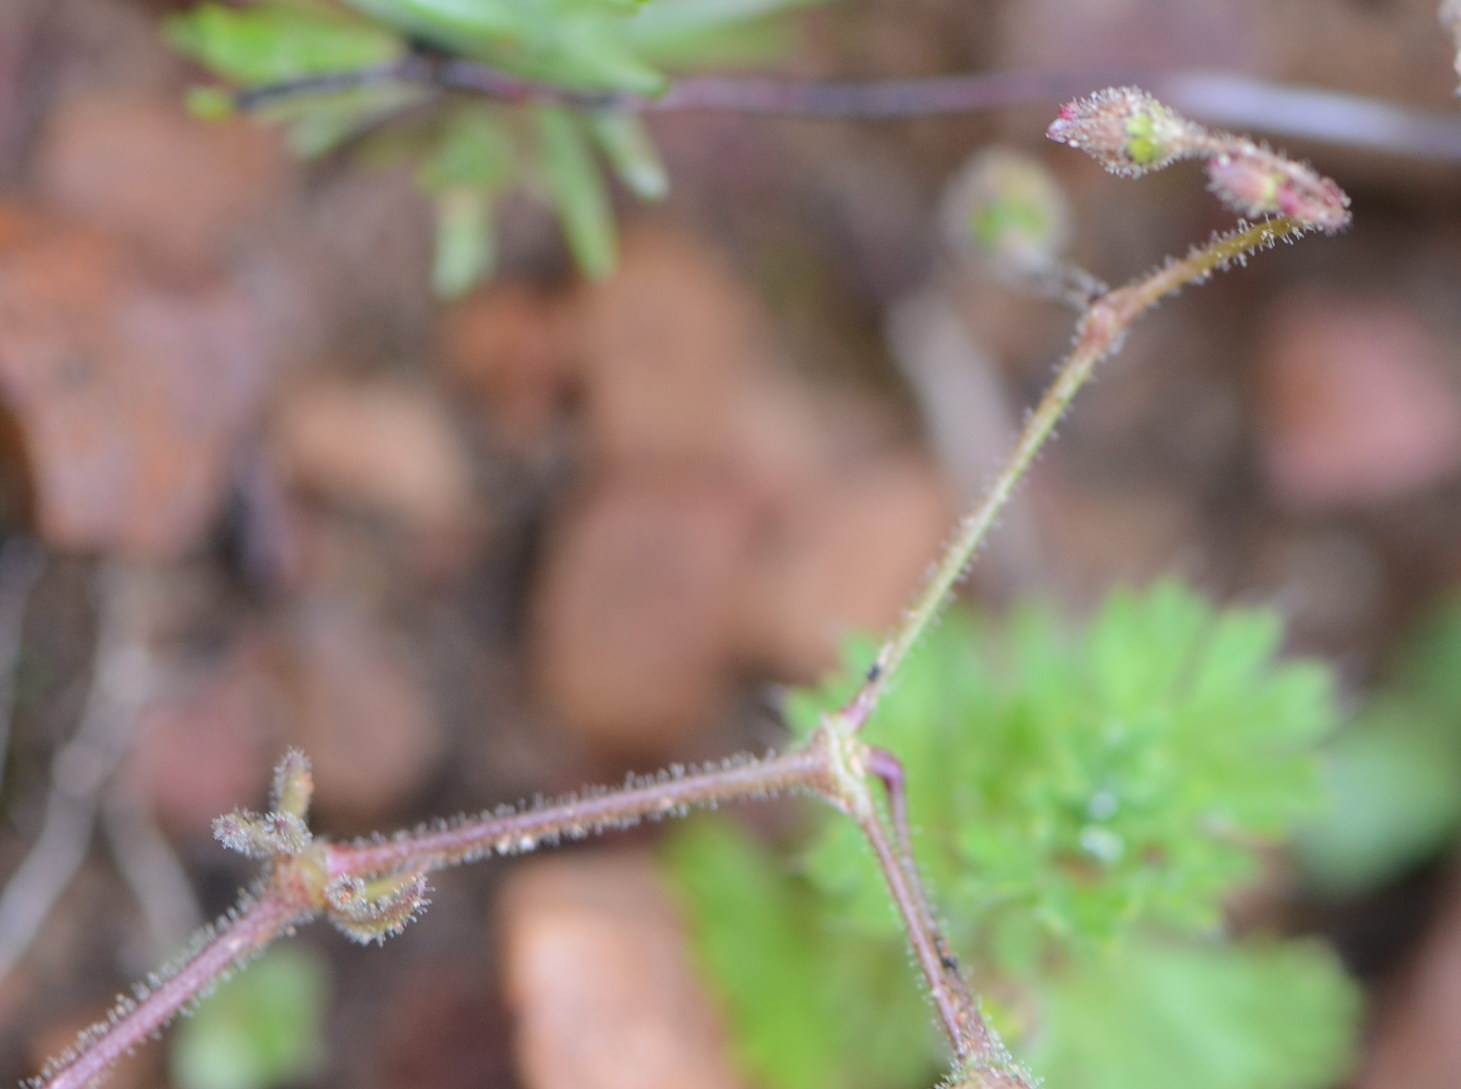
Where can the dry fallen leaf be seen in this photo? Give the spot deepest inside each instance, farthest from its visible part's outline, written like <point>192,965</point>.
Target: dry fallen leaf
<point>597,976</point>
<point>1357,406</point>
<point>207,741</point>
<point>505,346</point>
<point>131,398</point>
<point>178,188</point>
<point>668,345</point>
<point>632,619</point>
<point>847,557</point>
<point>357,704</point>
<point>383,447</point>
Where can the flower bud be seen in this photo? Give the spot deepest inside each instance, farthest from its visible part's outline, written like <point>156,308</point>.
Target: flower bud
<point>262,835</point>
<point>372,911</point>
<point>1260,183</point>
<point>293,784</point>
<point>1005,209</point>
<point>1127,131</point>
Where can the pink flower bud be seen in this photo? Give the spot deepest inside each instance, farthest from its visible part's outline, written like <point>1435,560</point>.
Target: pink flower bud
<point>1127,131</point>
<point>1256,182</point>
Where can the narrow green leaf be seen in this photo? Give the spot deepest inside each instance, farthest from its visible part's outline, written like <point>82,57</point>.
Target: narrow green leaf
<point>473,150</point>
<point>465,244</point>
<point>466,25</point>
<point>687,33</point>
<point>272,42</point>
<point>627,144</point>
<point>577,191</point>
<point>592,53</point>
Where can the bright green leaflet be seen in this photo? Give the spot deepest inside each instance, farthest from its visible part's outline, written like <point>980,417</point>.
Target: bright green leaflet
<point>264,1028</point>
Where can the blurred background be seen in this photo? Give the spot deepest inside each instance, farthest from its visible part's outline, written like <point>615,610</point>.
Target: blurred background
<point>259,488</point>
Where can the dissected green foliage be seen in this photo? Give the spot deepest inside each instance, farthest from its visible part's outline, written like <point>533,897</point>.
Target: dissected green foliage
<point>1394,774</point>
<point>472,152</point>
<point>1083,801</point>
<point>816,1003</point>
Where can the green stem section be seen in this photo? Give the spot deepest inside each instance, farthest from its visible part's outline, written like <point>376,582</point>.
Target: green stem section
<point>1099,334</point>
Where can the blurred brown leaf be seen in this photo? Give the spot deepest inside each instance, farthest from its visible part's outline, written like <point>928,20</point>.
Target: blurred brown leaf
<point>847,557</point>
<point>506,347</point>
<point>1357,407</point>
<point>597,975</point>
<point>131,398</point>
<point>632,622</point>
<point>382,447</point>
<point>178,188</point>
<point>669,345</point>
<point>358,706</point>
<point>205,745</point>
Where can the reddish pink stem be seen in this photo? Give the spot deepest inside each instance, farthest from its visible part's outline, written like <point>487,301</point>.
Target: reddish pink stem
<point>258,922</point>
<point>517,832</point>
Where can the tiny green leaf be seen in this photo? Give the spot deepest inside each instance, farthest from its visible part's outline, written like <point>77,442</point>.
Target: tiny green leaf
<point>577,190</point>
<point>629,148</point>
<point>264,1028</point>
<point>465,250</point>
<point>473,149</point>
<point>451,24</point>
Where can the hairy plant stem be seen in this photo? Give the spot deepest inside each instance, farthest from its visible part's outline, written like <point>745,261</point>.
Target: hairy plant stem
<point>296,887</point>
<point>307,876</point>
<point>1099,334</point>
<point>833,764</point>
<point>516,832</point>
<point>253,925</point>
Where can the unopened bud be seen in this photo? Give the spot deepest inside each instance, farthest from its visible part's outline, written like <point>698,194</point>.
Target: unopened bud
<point>294,784</point>
<point>1007,209</point>
<point>1127,131</point>
<point>372,911</point>
<point>262,835</point>
<point>1260,183</point>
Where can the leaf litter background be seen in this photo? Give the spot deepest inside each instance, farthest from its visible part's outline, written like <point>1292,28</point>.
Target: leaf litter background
<point>259,489</point>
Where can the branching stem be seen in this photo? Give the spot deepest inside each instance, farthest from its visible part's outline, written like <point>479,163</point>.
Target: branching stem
<point>516,832</point>
<point>252,926</point>
<point>1099,334</point>
<point>372,888</point>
